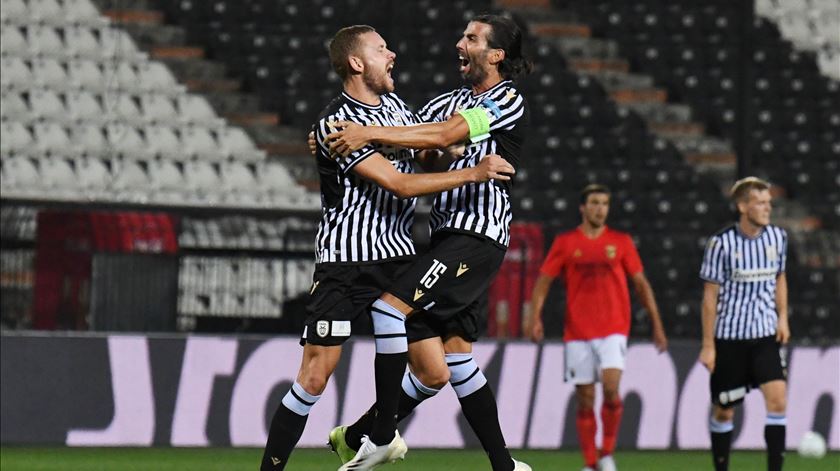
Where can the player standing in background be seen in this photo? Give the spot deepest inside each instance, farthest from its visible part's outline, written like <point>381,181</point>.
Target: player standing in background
<point>470,234</point>
<point>364,238</point>
<point>745,320</point>
<point>594,262</point>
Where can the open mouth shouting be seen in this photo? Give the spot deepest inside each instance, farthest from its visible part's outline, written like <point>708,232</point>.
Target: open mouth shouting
<point>388,69</point>
<point>465,63</point>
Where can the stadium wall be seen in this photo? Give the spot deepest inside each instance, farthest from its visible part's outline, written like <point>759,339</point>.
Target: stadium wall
<point>172,390</point>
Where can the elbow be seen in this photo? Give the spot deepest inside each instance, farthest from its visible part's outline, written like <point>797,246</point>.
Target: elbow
<point>401,189</point>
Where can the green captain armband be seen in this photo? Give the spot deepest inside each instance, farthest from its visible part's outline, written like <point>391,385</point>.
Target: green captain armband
<point>478,122</point>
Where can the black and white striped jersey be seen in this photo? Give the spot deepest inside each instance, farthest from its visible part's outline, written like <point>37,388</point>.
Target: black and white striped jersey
<point>482,208</point>
<point>746,270</point>
<point>362,222</point>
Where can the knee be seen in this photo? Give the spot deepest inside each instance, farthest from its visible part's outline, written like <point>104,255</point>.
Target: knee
<point>312,382</point>
<point>721,414</point>
<point>433,378</point>
<point>611,394</point>
<point>586,402</point>
<point>777,405</point>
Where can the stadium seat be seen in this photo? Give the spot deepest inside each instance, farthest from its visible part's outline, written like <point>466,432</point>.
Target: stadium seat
<point>16,138</point>
<point>14,12</point>
<point>158,108</point>
<point>82,12</point>
<point>85,74</point>
<point>89,138</point>
<point>51,137</point>
<point>13,107</point>
<point>58,175</point>
<point>164,141</point>
<point>16,73</point>
<point>235,143</point>
<point>46,104</point>
<point>94,175</point>
<point>84,106</point>
<point>45,11</point>
<point>201,175</point>
<point>49,73</point>
<point>125,139</point>
<point>194,109</point>
<point>155,76</point>
<point>20,173</point>
<point>44,40</point>
<point>81,42</point>
<point>130,178</point>
<point>200,142</point>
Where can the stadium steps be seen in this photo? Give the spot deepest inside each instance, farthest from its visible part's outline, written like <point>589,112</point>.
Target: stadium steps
<point>189,64</point>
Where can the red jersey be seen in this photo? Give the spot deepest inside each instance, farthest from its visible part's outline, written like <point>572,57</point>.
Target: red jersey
<point>595,272</point>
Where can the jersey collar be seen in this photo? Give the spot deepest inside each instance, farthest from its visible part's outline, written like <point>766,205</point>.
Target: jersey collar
<point>493,88</point>
<point>363,105</point>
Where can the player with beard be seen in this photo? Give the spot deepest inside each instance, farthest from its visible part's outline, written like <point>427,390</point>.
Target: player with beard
<point>594,262</point>
<point>364,238</point>
<point>470,232</point>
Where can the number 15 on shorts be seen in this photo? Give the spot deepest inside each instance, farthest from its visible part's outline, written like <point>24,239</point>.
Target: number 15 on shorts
<point>433,274</point>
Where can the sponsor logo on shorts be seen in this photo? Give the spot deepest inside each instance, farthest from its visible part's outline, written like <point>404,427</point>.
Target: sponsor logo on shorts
<point>322,328</point>
<point>418,293</point>
<point>432,275</point>
<point>462,268</point>
<point>314,286</point>
<point>341,328</point>
<point>275,461</point>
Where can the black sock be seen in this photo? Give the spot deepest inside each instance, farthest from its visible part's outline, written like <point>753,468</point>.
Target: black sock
<point>354,433</point>
<point>721,443</point>
<point>480,410</point>
<point>389,370</point>
<point>286,429</point>
<point>774,436</point>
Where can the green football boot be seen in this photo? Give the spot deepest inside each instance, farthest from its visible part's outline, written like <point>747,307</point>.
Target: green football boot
<point>339,444</point>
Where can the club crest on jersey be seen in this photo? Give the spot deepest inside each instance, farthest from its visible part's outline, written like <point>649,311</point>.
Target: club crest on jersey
<point>611,251</point>
<point>322,328</point>
<point>578,253</point>
<point>772,255</point>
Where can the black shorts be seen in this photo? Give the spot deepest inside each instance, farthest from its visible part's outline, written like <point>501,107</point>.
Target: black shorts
<point>450,284</point>
<point>339,293</point>
<point>741,365</point>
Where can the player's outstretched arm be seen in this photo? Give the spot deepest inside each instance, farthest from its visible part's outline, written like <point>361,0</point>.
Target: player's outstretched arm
<point>782,328</point>
<point>379,170</point>
<point>352,136</point>
<point>533,327</point>
<point>645,293</point>
<point>709,312</point>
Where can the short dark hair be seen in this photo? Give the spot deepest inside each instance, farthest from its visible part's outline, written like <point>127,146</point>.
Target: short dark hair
<point>593,188</point>
<point>343,44</point>
<point>741,189</point>
<point>506,35</point>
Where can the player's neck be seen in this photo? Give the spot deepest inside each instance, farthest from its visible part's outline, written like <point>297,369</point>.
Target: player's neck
<point>590,231</point>
<point>489,82</point>
<point>748,228</point>
<point>357,89</point>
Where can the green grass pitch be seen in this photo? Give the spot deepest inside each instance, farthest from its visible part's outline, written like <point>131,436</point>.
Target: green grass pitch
<point>227,459</point>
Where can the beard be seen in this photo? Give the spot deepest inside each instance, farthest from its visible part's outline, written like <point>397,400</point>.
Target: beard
<point>378,83</point>
<point>476,74</point>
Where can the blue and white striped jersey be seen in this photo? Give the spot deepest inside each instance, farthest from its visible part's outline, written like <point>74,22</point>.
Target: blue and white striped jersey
<point>481,208</point>
<point>746,270</point>
<point>362,222</point>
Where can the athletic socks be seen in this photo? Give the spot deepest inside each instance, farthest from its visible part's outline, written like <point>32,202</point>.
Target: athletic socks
<point>721,433</point>
<point>586,427</point>
<point>413,393</point>
<point>774,436</point>
<point>610,418</point>
<point>479,407</point>
<point>287,427</point>
<point>389,365</point>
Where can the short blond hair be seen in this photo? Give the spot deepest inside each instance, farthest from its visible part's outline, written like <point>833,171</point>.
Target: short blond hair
<point>741,189</point>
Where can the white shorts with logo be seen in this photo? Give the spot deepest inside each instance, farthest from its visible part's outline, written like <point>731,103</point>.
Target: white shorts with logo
<point>585,359</point>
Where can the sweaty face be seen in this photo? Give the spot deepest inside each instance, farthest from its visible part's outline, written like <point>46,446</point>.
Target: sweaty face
<point>473,52</point>
<point>757,208</point>
<point>378,63</point>
<point>596,209</point>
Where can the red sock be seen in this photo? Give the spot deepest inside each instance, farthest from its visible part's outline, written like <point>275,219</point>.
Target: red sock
<point>586,427</point>
<point>610,418</point>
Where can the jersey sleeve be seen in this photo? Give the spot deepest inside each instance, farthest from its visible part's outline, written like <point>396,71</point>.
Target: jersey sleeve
<point>783,252</point>
<point>435,110</point>
<point>553,264</point>
<point>325,126</point>
<point>505,112</point>
<point>630,259</point>
<point>714,268</point>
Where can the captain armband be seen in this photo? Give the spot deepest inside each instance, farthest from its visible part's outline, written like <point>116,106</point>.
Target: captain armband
<point>478,122</point>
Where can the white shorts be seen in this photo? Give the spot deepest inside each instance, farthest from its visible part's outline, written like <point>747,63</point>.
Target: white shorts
<point>585,359</point>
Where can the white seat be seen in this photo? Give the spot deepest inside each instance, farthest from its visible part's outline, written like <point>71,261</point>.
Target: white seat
<point>14,11</point>
<point>46,104</point>
<point>129,175</point>
<point>16,74</point>
<point>45,40</point>
<point>83,12</point>
<point>122,107</point>
<point>84,106</point>
<point>195,109</point>
<point>46,11</point>
<point>200,142</point>
<point>116,43</point>
<point>238,176</point>
<point>12,41</point>
<point>165,175</point>
<point>51,137</point>
<point>89,138</point>
<point>201,175</point>
<point>154,76</point>
<point>120,76</point>
<point>275,177</point>
<point>829,63</point>
<point>86,74</point>
<point>49,73</point>
<point>234,142</point>
<point>163,140</point>
<point>81,41</point>
<point>126,140</point>
<point>58,173</point>
<point>93,173</point>
<point>13,107</point>
<point>15,138</point>
<point>158,108</point>
<point>20,172</point>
